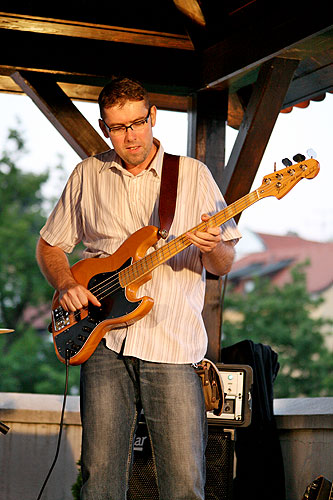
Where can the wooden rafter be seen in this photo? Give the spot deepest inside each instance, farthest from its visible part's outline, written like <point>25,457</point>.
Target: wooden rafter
<point>61,112</point>
<point>78,60</point>
<point>192,9</point>
<point>250,48</point>
<point>259,119</point>
<point>78,29</point>
<point>90,93</point>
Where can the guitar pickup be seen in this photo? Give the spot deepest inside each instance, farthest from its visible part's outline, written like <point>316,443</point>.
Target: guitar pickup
<point>72,346</point>
<point>94,321</point>
<point>77,315</point>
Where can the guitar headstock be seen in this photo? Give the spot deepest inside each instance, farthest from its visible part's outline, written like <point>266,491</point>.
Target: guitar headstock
<point>280,182</point>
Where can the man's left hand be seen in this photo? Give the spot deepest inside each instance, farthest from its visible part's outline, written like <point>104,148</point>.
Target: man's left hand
<point>208,239</point>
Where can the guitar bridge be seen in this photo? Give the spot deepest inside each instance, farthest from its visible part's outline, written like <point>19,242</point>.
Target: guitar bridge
<point>60,318</point>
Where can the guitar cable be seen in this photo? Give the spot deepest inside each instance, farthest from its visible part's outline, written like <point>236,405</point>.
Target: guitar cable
<point>224,287</point>
<point>67,357</point>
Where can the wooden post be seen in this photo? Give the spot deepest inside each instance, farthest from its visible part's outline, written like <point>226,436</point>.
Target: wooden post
<point>206,142</point>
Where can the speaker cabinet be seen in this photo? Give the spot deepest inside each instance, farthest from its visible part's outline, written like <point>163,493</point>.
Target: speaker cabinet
<point>219,466</point>
<point>142,482</point>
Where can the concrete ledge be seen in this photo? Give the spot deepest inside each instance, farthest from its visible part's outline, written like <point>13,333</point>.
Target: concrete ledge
<point>297,413</point>
<point>305,427</point>
<point>304,413</point>
<point>28,449</point>
<point>38,408</point>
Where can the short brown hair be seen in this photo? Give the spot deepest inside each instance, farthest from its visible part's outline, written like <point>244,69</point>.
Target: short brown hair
<point>121,89</point>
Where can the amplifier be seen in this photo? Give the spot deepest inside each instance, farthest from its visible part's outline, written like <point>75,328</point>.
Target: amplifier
<point>237,384</point>
<point>219,465</point>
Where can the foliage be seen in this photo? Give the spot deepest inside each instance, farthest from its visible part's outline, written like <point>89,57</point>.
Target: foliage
<point>282,317</point>
<point>29,364</point>
<point>76,487</point>
<point>27,358</point>
<point>21,219</point>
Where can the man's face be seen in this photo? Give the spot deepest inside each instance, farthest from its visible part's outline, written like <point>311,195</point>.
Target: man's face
<point>135,147</point>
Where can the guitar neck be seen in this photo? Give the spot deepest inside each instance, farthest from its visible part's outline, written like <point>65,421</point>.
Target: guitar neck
<point>151,261</point>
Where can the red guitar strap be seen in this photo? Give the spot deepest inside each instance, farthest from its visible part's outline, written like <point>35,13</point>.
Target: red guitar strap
<point>168,193</point>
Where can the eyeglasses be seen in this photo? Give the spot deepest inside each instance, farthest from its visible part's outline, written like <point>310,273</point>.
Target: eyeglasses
<point>122,129</point>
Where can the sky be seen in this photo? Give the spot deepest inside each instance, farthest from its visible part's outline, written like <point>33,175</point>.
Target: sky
<point>306,210</point>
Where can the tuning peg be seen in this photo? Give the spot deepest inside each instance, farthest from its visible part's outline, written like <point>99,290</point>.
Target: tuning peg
<point>298,158</point>
<point>311,153</point>
<point>286,162</point>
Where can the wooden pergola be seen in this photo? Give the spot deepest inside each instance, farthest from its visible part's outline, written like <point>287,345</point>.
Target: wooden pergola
<point>235,62</point>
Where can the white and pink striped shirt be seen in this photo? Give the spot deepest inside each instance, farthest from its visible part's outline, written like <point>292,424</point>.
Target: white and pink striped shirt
<point>102,205</point>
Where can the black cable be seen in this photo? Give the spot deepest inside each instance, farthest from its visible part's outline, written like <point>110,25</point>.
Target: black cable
<point>4,428</point>
<point>60,430</point>
<point>225,280</point>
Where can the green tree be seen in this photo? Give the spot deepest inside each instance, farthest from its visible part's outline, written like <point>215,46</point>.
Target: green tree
<point>282,317</point>
<point>27,359</point>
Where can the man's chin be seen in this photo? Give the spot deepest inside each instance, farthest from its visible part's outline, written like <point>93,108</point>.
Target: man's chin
<point>134,159</point>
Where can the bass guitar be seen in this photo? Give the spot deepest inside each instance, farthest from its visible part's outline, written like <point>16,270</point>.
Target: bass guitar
<point>114,280</point>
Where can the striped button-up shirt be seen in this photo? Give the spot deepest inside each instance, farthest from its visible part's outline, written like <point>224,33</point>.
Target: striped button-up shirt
<point>102,205</point>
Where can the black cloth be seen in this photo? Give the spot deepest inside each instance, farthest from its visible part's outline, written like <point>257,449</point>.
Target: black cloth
<point>259,470</point>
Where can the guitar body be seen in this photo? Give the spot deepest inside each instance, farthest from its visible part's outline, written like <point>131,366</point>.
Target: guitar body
<point>77,334</point>
<point>115,280</point>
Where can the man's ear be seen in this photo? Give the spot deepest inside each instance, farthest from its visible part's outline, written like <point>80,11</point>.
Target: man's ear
<point>103,128</point>
<point>153,111</point>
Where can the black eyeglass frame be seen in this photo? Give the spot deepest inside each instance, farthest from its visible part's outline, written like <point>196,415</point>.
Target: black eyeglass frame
<point>126,127</point>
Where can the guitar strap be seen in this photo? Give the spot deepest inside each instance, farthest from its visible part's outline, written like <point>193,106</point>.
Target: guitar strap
<point>168,193</point>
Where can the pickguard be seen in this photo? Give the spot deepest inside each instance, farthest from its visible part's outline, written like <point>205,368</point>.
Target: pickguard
<point>114,305</point>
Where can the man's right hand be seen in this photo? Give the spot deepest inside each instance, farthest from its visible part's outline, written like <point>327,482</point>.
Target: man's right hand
<point>76,297</point>
<point>54,265</point>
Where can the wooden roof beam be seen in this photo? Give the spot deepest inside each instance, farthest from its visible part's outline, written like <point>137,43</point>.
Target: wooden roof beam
<point>61,112</point>
<point>34,24</point>
<point>90,93</point>
<point>252,47</point>
<point>259,119</point>
<point>71,61</point>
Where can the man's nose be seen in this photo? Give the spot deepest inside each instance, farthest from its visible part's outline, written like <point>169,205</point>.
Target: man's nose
<point>130,133</point>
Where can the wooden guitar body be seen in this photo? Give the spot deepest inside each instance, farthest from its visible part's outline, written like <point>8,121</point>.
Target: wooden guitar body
<point>76,335</point>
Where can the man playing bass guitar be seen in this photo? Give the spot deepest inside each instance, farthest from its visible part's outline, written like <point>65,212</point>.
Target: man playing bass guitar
<point>144,364</point>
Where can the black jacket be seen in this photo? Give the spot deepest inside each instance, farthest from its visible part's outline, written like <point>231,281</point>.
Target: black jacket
<point>259,470</point>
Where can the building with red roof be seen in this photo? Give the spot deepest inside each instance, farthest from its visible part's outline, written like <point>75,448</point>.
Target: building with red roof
<point>279,253</point>
<point>273,256</point>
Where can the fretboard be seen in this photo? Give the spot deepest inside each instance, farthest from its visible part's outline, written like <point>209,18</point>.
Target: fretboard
<point>152,260</point>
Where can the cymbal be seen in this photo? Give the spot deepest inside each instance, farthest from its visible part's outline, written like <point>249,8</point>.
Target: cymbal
<point>6,330</point>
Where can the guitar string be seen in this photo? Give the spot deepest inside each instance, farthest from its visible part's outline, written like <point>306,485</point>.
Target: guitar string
<point>111,284</point>
<point>131,273</point>
<point>135,270</point>
<point>140,267</point>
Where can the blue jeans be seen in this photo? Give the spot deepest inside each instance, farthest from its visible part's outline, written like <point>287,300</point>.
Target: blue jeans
<point>114,388</point>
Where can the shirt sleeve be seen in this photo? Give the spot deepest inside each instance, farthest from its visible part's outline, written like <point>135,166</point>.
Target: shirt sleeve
<point>63,227</point>
<point>212,201</point>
